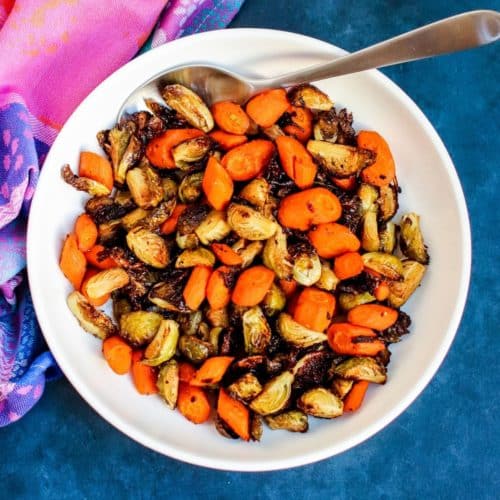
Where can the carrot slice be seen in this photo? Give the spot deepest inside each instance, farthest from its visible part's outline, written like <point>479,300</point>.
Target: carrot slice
<point>218,289</point>
<point>301,126</point>
<point>252,285</point>
<point>354,398</point>
<point>96,167</point>
<point>383,171</point>
<point>248,160</point>
<point>309,207</point>
<point>382,291</point>
<point>159,149</point>
<point>217,184</point>
<point>118,354</point>
<point>186,371</point>
<point>195,290</point>
<point>342,339</point>
<point>296,161</point>
<point>99,301</point>
<point>265,108</point>
<point>72,261</point>
<point>314,309</point>
<point>235,414</point>
<point>345,183</point>
<point>93,258</point>
<point>86,232</point>
<point>372,316</point>
<point>230,117</point>
<point>288,287</point>
<point>226,254</point>
<point>170,225</point>
<point>211,371</point>
<point>193,403</point>
<point>227,141</point>
<point>332,239</point>
<point>348,265</point>
<point>144,376</point>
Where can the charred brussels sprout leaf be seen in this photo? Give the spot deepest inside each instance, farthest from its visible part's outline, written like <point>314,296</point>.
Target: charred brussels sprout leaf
<point>168,294</point>
<point>320,402</point>
<point>218,317</point>
<point>347,301</point>
<point>256,427</point>
<point>411,239</point>
<point>168,382</point>
<point>139,327</point>
<point>362,368</point>
<point>292,421</point>
<point>275,395</point>
<point>163,346</point>
<point>189,323</point>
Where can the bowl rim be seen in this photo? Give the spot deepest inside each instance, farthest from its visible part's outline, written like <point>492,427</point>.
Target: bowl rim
<point>327,452</point>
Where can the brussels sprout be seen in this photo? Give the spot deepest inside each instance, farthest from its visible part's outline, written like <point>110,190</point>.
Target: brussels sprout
<point>109,231</point>
<point>168,296</point>
<point>368,195</point>
<point>273,132</point>
<point>256,192</point>
<point>168,383</point>
<point>274,301</point>
<point>119,138</point>
<point>156,217</point>
<point>296,334</point>
<point>328,280</point>
<point>274,396</point>
<point>214,336</point>
<point>361,368</point>
<point>190,187</point>
<point>187,241</point>
<point>246,388</point>
<point>148,247</point>
<point>131,220</point>
<point>104,209</point>
<point>327,127</point>
<point>90,186</point>
<point>139,327</point>
<point>195,349</point>
<point>129,158</point>
<point>270,208</point>
<point>306,268</point>
<point>309,96</point>
<point>387,236</point>
<point>191,218</point>
<point>105,282</point>
<point>189,105</point>
<point>310,369</point>
<point>213,228</point>
<point>121,305</point>
<point>320,402</point>
<point>347,301</point>
<point>387,202</point>
<point>256,427</point>
<point>249,224</point>
<point>275,255</point>
<point>124,199</point>
<point>292,421</point>
<point>91,320</point>
<point>218,317</point>
<point>163,345</point>
<point>341,386</point>
<point>370,240</point>
<point>338,159</point>
<point>145,187</point>
<point>189,323</point>
<point>385,264</point>
<point>256,331</point>
<point>195,257</point>
<point>191,151</point>
<point>411,240</point>
<point>170,188</point>
<point>247,251</point>
<point>400,291</point>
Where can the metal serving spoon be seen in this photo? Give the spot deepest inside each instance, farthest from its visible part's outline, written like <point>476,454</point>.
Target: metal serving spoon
<point>213,83</point>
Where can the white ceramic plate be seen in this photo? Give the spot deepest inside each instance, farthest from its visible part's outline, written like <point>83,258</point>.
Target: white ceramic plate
<point>430,187</point>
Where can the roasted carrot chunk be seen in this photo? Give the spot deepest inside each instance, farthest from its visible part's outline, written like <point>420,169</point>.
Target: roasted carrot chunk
<point>235,414</point>
<point>118,354</point>
<point>72,262</point>
<point>217,184</point>
<point>332,239</point>
<point>314,309</point>
<point>230,117</point>
<point>193,403</point>
<point>373,316</point>
<point>248,160</point>
<point>144,376</point>
<point>96,167</point>
<point>382,291</point>
<point>383,171</point>
<point>226,254</point>
<point>94,258</point>
<point>348,265</point>
<point>186,372</point>
<point>288,286</point>
<point>354,398</point>
<point>252,286</point>
<point>296,161</point>
<point>86,232</point>
<point>218,289</point>
<point>302,123</point>
<point>195,290</point>
<point>265,108</point>
<point>159,149</point>
<point>342,339</point>
<point>170,225</point>
<point>211,371</point>
<point>227,141</point>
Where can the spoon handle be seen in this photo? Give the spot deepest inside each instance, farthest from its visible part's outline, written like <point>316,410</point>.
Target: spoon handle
<point>452,34</point>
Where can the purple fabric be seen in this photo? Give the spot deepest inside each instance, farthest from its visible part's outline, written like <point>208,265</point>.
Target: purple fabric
<point>25,138</point>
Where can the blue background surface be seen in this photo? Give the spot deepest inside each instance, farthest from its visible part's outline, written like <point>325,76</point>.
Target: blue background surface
<point>446,445</point>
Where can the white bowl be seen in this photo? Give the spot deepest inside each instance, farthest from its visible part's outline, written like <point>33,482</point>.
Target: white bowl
<point>430,187</point>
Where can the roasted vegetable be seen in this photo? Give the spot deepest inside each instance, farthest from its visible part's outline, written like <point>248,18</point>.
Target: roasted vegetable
<point>195,349</point>
<point>306,268</point>
<point>274,301</point>
<point>256,427</point>
<point>256,331</point>
<point>196,257</point>
<point>246,388</point>
<point>387,235</point>
<point>189,323</point>
<point>327,280</point>
<point>309,96</point>
<point>341,386</point>
<point>193,150</point>
<point>148,247</point>
<point>128,160</point>
<point>411,240</point>
<point>276,257</point>
<point>164,343</point>
<point>133,218</point>
<point>218,317</point>
<point>256,192</point>
<point>247,251</point>
<point>296,334</point>
<point>139,327</point>
<point>168,295</point>
<point>274,396</point>
<point>109,231</point>
<point>249,224</point>
<point>90,186</point>
<point>190,188</point>
<point>213,228</point>
<point>386,264</point>
<point>400,291</point>
<point>361,368</point>
<point>349,300</point>
<point>168,382</point>
<point>105,282</point>
<point>320,402</point>
<point>292,421</point>
<point>387,202</point>
<point>145,187</point>
<point>187,241</point>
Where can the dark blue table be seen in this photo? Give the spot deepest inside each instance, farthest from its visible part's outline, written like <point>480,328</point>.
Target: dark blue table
<point>447,444</point>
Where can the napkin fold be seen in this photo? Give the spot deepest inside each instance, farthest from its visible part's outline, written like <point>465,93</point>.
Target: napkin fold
<point>53,53</point>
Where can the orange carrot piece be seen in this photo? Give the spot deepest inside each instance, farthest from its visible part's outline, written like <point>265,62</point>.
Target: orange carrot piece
<point>331,240</point>
<point>86,232</point>
<point>252,285</point>
<point>99,301</point>
<point>226,254</point>
<point>195,290</point>
<point>345,183</point>
<point>211,371</point>
<point>382,291</point>
<point>118,354</point>
<point>72,261</point>
<point>144,376</point>
<point>248,160</point>
<point>296,161</point>
<point>186,372</point>
<point>372,316</point>
<point>265,108</point>
<point>288,287</point>
<point>302,123</point>
<point>159,149</point>
<point>355,396</point>
<point>235,414</point>
<point>217,184</point>
<point>218,291</point>
<point>170,225</point>
<point>97,168</point>
<point>342,336</point>
<point>348,265</point>
<point>230,117</point>
<point>314,309</point>
<point>193,403</point>
<point>309,207</point>
<point>383,171</point>
<point>93,258</point>
<point>227,141</point>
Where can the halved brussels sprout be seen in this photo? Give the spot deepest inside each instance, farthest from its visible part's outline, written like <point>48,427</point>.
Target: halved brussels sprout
<point>327,127</point>
<point>274,396</point>
<point>411,240</point>
<point>90,186</point>
<point>338,159</point>
<point>273,132</point>
<point>292,421</point>
<point>256,192</point>
<point>168,296</point>
<point>387,202</point>
<point>385,264</point>
<point>275,255</point>
<point>105,282</point>
<point>387,236</point>
<point>309,96</point>
<point>256,331</point>
<point>400,291</point>
<point>256,427</point>
<point>187,241</point>
<point>148,247</point>
<point>91,319</point>
<point>362,368</point>
<point>218,317</point>
<point>341,386</point>
<point>247,251</point>
<point>191,218</point>
<point>130,157</point>
<point>347,301</point>
<point>246,388</point>
<point>311,368</point>
<point>168,383</point>
<point>320,402</point>
<point>156,217</point>
<point>163,346</point>
<point>119,137</point>
<point>103,209</point>
<point>191,151</point>
<point>213,228</point>
<point>370,240</point>
<point>195,257</point>
<point>189,105</point>
<point>121,305</point>
<point>249,224</point>
<point>109,231</point>
<point>195,349</point>
<point>189,323</point>
<point>145,187</point>
<point>306,268</point>
<point>274,301</point>
<point>170,188</point>
<point>296,334</point>
<point>214,337</point>
<point>190,187</point>
<point>328,280</point>
<point>139,327</point>
<point>124,199</point>
<point>133,218</point>
<point>368,195</point>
